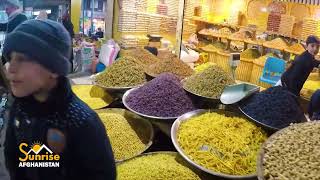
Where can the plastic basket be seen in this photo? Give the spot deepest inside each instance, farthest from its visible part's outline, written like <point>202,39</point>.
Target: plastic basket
<point>222,60</point>
<point>244,70</point>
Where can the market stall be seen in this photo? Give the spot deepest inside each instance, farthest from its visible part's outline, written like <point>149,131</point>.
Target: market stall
<point>164,104</point>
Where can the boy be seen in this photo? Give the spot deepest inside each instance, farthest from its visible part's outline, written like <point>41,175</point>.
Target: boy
<point>46,117</point>
<point>297,74</point>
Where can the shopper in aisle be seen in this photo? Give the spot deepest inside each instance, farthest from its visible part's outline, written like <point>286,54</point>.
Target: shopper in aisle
<point>314,106</point>
<point>15,16</point>
<point>99,33</point>
<point>46,113</point>
<point>67,23</point>
<point>297,74</point>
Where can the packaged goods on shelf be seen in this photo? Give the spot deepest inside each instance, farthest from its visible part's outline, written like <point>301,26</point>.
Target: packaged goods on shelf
<point>152,6</point>
<point>234,18</point>
<point>205,11</point>
<point>168,24</point>
<point>154,24</point>
<point>127,21</point>
<point>173,6</point>
<point>141,5</point>
<point>273,22</point>
<point>162,9</point>
<point>128,5</point>
<point>143,20</point>
<point>132,41</point>
<point>286,24</point>
<point>189,9</point>
<point>310,26</point>
<point>189,28</point>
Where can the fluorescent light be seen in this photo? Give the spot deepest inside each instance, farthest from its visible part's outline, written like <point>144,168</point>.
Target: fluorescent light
<point>38,12</point>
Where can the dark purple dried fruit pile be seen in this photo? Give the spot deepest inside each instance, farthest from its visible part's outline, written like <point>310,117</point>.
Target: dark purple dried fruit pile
<point>161,97</point>
<point>275,107</point>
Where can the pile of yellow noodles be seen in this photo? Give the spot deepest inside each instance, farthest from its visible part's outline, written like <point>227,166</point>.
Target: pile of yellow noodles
<point>158,166</point>
<point>97,101</point>
<point>222,144</point>
<point>127,138</point>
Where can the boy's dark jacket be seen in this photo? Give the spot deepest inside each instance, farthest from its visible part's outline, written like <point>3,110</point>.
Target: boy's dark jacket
<point>297,74</point>
<point>68,127</point>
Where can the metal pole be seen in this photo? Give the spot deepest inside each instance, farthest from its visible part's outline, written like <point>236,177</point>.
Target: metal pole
<point>83,9</point>
<point>179,31</point>
<point>92,10</point>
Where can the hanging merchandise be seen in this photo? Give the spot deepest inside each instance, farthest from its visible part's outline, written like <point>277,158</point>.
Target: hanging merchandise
<point>109,52</point>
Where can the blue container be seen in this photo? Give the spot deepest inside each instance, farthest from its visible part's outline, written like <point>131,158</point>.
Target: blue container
<point>100,67</point>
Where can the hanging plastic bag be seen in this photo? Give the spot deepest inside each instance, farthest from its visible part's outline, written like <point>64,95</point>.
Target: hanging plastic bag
<point>109,52</point>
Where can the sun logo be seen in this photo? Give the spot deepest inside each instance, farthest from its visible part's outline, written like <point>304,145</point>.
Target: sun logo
<point>36,146</point>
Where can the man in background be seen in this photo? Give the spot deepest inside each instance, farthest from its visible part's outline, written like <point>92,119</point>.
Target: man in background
<point>99,33</point>
<point>15,15</point>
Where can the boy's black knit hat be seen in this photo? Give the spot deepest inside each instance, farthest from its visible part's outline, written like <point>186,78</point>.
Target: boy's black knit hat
<point>312,39</point>
<point>46,42</point>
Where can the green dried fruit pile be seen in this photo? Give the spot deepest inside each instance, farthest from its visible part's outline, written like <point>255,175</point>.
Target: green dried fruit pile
<point>125,72</point>
<point>208,83</point>
<point>293,153</point>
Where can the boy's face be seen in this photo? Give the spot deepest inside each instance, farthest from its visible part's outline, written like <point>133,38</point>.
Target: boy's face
<point>313,48</point>
<point>26,77</point>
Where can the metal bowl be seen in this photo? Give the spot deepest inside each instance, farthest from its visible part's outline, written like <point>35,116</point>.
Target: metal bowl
<point>124,100</point>
<point>141,122</point>
<point>260,168</point>
<point>263,125</point>
<point>186,117</point>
